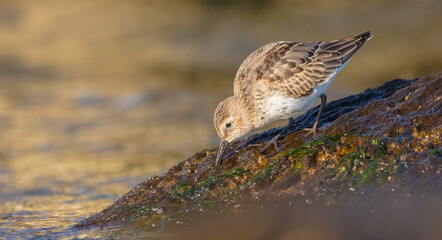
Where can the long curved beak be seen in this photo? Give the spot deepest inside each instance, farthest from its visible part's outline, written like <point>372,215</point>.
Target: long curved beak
<point>223,145</point>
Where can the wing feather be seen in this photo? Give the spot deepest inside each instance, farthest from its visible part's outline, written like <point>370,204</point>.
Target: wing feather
<point>295,68</point>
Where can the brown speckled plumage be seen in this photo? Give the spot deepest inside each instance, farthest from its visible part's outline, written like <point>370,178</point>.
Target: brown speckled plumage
<point>280,79</point>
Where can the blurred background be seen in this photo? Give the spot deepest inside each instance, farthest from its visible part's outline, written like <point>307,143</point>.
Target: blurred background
<point>96,96</point>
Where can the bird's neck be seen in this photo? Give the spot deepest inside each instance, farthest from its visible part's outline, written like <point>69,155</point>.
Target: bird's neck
<point>246,115</point>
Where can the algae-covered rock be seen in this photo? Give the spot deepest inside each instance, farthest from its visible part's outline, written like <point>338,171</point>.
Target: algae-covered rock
<point>368,144</point>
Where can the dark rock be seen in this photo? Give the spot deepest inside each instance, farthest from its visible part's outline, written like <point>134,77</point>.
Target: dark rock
<point>382,139</point>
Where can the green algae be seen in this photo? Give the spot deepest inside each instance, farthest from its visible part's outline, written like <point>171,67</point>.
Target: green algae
<point>367,166</point>
<point>381,145</point>
<point>364,165</point>
<point>312,148</point>
<point>211,181</point>
<point>259,178</point>
<point>185,191</point>
<point>298,165</point>
<point>198,193</point>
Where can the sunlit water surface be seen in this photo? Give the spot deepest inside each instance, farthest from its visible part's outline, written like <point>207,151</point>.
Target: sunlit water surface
<point>69,149</point>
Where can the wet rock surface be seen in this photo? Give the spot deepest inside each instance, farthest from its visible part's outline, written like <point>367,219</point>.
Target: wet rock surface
<point>383,142</point>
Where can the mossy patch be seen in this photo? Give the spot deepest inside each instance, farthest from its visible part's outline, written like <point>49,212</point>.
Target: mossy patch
<point>209,182</point>
<point>259,178</point>
<point>183,191</point>
<point>186,191</point>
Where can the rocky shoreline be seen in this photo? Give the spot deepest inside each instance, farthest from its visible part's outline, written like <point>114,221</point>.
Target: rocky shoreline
<point>368,144</point>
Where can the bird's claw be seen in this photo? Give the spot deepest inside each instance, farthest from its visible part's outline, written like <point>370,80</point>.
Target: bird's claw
<point>274,142</point>
<point>310,131</point>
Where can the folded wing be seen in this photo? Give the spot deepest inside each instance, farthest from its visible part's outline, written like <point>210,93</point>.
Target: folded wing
<point>295,68</point>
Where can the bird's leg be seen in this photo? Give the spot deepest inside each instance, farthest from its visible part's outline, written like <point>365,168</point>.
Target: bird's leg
<point>313,129</point>
<point>274,141</point>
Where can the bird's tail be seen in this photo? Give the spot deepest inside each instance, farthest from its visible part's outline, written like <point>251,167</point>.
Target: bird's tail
<point>347,46</point>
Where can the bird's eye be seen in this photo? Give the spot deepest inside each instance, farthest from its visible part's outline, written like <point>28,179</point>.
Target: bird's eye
<point>228,125</point>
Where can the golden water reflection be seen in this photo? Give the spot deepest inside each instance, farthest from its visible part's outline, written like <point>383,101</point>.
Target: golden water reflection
<point>69,150</point>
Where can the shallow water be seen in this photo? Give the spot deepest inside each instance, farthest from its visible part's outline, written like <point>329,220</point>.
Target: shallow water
<point>65,155</point>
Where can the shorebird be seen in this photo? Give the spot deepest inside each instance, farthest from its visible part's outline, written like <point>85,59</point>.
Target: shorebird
<point>278,81</point>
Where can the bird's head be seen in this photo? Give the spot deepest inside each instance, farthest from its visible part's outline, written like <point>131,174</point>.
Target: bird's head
<point>231,123</point>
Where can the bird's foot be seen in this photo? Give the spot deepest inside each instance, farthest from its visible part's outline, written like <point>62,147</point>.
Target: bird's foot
<point>310,131</point>
<point>313,129</point>
<point>274,142</point>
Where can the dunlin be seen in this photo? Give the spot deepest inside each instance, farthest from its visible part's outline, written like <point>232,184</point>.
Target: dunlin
<point>278,81</point>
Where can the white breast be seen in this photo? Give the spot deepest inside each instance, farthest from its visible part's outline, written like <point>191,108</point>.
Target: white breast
<point>278,107</point>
